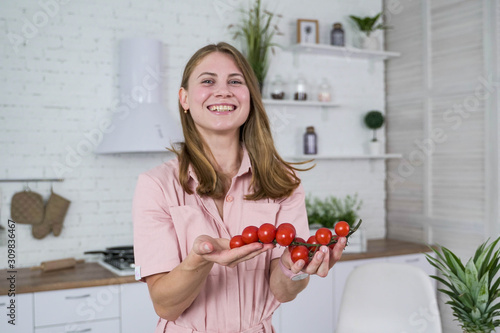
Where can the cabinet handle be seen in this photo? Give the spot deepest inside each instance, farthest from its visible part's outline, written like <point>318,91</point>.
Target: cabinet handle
<point>78,297</point>
<point>412,260</point>
<point>80,331</point>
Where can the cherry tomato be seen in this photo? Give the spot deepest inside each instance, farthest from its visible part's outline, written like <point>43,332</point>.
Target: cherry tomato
<point>300,252</point>
<point>249,234</point>
<point>266,233</point>
<point>236,241</point>
<point>298,240</point>
<point>342,228</point>
<point>323,236</point>
<point>312,240</point>
<point>285,234</point>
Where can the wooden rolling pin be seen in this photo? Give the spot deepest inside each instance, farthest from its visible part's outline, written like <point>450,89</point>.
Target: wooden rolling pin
<point>55,265</point>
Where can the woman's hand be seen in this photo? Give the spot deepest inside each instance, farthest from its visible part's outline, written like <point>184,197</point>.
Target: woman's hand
<point>217,250</point>
<point>322,261</point>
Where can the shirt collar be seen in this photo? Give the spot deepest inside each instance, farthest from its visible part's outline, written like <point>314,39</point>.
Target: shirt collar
<point>245,167</point>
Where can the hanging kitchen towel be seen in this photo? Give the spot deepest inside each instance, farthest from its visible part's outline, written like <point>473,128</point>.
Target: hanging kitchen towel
<point>27,207</point>
<point>55,212</point>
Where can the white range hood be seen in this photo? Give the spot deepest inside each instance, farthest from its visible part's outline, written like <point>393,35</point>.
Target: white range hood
<point>140,123</point>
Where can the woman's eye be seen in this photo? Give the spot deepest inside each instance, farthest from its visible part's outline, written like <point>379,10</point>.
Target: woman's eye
<point>235,82</point>
<point>207,81</point>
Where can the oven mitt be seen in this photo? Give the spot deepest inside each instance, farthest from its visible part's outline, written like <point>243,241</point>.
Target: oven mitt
<point>27,208</point>
<point>55,212</point>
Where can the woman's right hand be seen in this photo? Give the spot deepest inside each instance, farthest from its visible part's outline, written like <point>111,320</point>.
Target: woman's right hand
<point>217,250</point>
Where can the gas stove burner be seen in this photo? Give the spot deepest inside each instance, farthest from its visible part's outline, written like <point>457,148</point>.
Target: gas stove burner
<point>120,263</point>
<point>119,259</point>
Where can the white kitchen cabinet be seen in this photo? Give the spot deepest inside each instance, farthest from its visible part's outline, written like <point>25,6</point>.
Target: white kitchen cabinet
<point>417,260</point>
<point>137,312</point>
<point>316,308</point>
<point>100,326</point>
<point>77,307</point>
<point>312,310</point>
<point>23,314</point>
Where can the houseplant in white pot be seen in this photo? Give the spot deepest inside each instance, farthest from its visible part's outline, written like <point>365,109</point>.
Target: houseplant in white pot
<point>374,120</point>
<point>473,288</point>
<point>368,25</point>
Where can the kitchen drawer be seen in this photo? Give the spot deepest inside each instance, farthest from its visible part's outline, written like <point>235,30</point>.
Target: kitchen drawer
<point>101,326</point>
<point>137,311</point>
<point>419,260</point>
<point>23,314</point>
<point>76,305</point>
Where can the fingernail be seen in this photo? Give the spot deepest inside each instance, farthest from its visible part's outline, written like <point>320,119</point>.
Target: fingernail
<point>206,247</point>
<point>324,249</point>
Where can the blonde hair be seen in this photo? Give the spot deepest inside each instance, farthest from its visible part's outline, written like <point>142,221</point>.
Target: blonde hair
<point>272,177</point>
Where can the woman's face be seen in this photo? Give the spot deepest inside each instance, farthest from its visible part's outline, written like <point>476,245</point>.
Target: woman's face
<point>217,97</point>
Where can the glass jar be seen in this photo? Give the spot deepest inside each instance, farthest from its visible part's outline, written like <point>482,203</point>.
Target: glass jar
<point>325,91</point>
<point>278,88</point>
<point>337,35</point>
<point>310,141</point>
<point>300,89</point>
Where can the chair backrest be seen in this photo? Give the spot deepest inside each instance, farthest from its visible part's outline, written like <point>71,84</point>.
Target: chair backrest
<point>388,298</point>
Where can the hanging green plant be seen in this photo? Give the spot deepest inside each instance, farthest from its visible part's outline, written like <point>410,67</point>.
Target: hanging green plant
<point>257,30</point>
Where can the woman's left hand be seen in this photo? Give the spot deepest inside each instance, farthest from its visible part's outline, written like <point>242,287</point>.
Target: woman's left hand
<point>322,261</point>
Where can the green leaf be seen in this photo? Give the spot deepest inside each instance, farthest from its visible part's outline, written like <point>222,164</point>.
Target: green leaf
<point>483,295</point>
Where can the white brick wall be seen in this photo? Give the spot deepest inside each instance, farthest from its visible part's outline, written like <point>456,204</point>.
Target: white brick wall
<point>60,82</point>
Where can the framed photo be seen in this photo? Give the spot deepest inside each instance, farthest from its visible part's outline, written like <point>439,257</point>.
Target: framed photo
<point>307,31</point>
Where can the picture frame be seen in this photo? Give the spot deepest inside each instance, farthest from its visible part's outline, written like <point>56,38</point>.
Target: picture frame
<point>307,31</point>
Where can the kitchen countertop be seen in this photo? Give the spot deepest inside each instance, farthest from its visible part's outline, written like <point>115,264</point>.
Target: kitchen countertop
<point>93,274</point>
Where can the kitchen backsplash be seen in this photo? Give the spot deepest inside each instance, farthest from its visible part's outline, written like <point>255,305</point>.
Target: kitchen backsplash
<point>59,82</point>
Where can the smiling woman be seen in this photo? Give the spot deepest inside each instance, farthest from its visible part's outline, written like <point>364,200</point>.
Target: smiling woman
<point>227,176</point>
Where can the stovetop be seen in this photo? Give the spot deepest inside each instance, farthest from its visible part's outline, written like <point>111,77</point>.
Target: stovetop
<point>118,267</point>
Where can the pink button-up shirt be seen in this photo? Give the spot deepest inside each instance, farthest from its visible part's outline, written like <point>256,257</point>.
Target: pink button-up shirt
<point>166,222</point>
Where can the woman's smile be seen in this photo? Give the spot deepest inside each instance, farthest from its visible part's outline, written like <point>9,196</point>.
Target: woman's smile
<point>222,108</point>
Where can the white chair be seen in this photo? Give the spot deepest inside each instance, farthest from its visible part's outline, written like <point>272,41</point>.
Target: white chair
<point>388,298</point>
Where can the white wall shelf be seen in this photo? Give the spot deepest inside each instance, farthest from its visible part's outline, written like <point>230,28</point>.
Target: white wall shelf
<point>289,102</point>
<point>344,52</point>
<point>342,157</point>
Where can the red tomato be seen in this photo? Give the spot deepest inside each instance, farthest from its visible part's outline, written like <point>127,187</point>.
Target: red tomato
<point>236,241</point>
<point>323,236</point>
<point>266,233</point>
<point>249,234</point>
<point>298,240</point>
<point>300,252</point>
<point>285,234</point>
<point>342,228</point>
<point>312,240</point>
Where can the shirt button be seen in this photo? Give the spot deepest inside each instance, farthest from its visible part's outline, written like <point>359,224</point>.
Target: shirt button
<point>229,198</point>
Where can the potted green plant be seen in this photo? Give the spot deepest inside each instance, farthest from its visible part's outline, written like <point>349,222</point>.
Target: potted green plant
<point>367,25</point>
<point>473,288</point>
<point>257,29</point>
<point>374,120</point>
